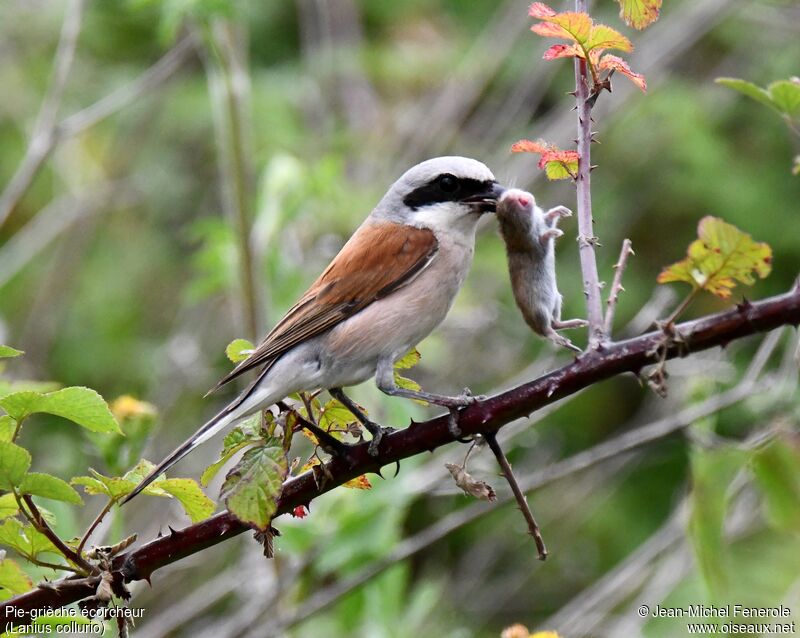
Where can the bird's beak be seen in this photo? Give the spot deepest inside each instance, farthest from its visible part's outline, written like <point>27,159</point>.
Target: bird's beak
<point>486,202</point>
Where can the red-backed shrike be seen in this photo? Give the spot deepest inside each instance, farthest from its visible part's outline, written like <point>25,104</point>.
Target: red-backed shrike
<point>391,284</point>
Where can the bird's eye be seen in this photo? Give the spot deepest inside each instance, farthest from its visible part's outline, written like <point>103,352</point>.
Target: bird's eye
<point>448,183</point>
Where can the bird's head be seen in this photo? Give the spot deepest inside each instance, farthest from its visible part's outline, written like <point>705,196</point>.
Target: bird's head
<point>442,193</point>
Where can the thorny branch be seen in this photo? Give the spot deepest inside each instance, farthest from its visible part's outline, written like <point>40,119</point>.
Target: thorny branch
<point>616,285</point>
<point>484,416</point>
<point>586,238</point>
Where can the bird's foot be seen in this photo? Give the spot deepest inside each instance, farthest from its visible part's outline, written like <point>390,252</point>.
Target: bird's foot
<point>463,400</point>
<point>377,432</point>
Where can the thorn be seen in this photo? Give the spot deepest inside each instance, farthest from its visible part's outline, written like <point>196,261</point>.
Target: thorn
<point>172,532</point>
<point>572,93</point>
<point>744,305</point>
<point>378,472</point>
<point>396,469</point>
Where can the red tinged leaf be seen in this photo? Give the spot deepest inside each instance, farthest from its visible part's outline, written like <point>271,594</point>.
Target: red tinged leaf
<point>612,62</point>
<point>556,163</point>
<point>358,483</point>
<point>563,51</point>
<point>639,13</point>
<point>540,11</point>
<point>577,27</point>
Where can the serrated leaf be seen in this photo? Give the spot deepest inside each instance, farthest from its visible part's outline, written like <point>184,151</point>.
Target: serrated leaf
<point>244,434</point>
<point>579,28</point>
<point>609,62</point>
<point>239,350</point>
<point>7,428</point>
<point>712,472</point>
<point>563,51</point>
<point>8,506</point>
<point>776,467</point>
<point>409,360</point>
<point>358,483</point>
<point>334,417</point>
<point>7,352</point>
<point>639,13</point>
<point>251,489</point>
<point>721,256</point>
<point>80,405</point>
<point>195,503</point>
<point>14,463</point>
<point>556,163</point>
<point>24,539</point>
<point>97,484</point>
<point>47,486</point>
<point>13,580</point>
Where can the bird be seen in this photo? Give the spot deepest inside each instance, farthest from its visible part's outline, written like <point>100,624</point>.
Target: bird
<point>390,286</point>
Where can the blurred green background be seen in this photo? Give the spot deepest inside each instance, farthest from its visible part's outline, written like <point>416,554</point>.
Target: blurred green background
<point>119,270</point>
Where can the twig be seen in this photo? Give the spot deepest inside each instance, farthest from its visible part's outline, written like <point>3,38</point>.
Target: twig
<point>37,520</point>
<point>94,524</point>
<point>483,416</point>
<point>533,527</point>
<point>44,131</point>
<point>586,238</point>
<point>86,118</point>
<point>616,285</point>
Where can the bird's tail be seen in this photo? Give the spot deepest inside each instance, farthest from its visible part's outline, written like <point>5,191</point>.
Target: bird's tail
<point>219,421</point>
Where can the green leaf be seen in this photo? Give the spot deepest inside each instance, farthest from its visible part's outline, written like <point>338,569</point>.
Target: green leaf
<point>712,472</point>
<point>408,361</point>
<point>786,96</point>
<point>721,256</point>
<point>14,463</point>
<point>97,484</point>
<point>639,13</point>
<point>80,405</point>
<point>408,384</point>
<point>196,504</point>
<point>239,350</point>
<point>24,539</point>
<point>8,506</point>
<point>776,467</point>
<point>335,416</point>
<point>749,89</point>
<point>47,486</point>
<point>13,580</point>
<point>251,489</point>
<point>7,352</point>
<point>7,428</point>
<point>246,433</point>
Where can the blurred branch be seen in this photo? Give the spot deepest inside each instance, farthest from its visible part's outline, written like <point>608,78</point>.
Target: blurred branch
<point>484,416</point>
<point>229,85</point>
<point>44,131</point>
<point>42,145</point>
<point>54,219</point>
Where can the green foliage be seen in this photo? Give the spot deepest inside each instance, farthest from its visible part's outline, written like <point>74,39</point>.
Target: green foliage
<point>783,96</point>
<point>712,471</point>
<point>243,435</point>
<point>9,352</point>
<point>251,489</point>
<point>14,463</point>
<point>82,406</point>
<point>13,580</point>
<point>776,467</point>
<point>639,13</point>
<point>24,539</point>
<point>721,256</point>
<point>239,350</point>
<point>47,486</point>
<point>8,506</point>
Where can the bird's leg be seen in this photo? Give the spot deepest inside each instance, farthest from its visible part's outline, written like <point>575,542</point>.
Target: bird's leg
<point>569,324</point>
<point>327,442</point>
<point>385,380</point>
<point>377,431</point>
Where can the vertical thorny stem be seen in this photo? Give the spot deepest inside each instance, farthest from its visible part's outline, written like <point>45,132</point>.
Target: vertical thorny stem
<point>586,238</point>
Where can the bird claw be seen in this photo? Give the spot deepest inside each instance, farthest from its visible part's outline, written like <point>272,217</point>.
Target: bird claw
<point>377,432</point>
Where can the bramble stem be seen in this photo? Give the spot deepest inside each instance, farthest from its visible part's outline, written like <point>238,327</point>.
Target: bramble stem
<point>586,238</point>
<point>519,495</point>
<point>616,285</point>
